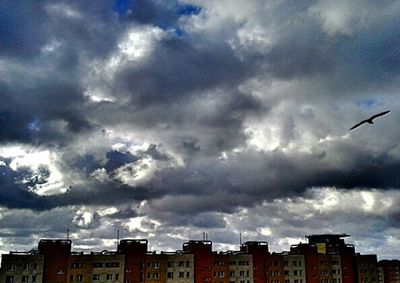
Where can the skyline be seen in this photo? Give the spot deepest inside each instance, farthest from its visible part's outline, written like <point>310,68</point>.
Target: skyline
<point>163,119</point>
<point>205,240</point>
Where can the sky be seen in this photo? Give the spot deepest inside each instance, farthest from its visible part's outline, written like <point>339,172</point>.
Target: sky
<point>164,119</point>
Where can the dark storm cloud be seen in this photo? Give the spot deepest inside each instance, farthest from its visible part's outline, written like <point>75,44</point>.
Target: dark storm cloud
<point>14,191</point>
<point>371,56</point>
<point>179,68</point>
<point>365,58</point>
<point>31,110</point>
<point>313,53</point>
<point>22,28</point>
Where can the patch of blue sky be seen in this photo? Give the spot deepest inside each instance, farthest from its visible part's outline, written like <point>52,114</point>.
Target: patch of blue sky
<point>368,103</point>
<point>170,28</point>
<point>188,10</point>
<point>34,125</point>
<point>123,6</point>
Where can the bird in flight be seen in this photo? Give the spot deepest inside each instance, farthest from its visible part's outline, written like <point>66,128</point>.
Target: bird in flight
<point>369,120</point>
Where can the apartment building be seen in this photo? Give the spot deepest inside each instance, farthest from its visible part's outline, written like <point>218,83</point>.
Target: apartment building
<point>180,267</point>
<point>336,269</point>
<point>56,260</point>
<point>259,252</point>
<point>367,267</point>
<point>240,267</point>
<point>135,251</point>
<point>220,267</point>
<point>390,270</point>
<point>203,260</point>
<point>294,268</point>
<point>275,268</point>
<point>107,267</point>
<point>325,258</point>
<point>21,267</point>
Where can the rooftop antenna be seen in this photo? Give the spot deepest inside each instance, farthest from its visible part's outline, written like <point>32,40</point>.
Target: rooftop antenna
<point>240,239</point>
<point>117,238</point>
<point>68,233</point>
<point>206,229</point>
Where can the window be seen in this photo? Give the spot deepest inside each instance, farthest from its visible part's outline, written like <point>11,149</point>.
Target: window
<point>34,266</point>
<point>232,273</point>
<point>96,277</point>
<point>79,278</point>
<point>9,279</point>
<point>33,278</point>
<point>295,272</point>
<point>116,276</point>
<point>221,274</point>
<point>187,274</point>
<point>296,281</point>
<point>97,264</point>
<point>77,265</point>
<point>241,273</point>
<point>181,264</point>
<point>26,266</point>
<point>188,264</point>
<point>286,272</point>
<point>181,274</point>
<point>294,263</point>
<point>233,262</point>
<point>11,266</point>
<point>25,279</point>
<point>247,273</point>
<point>71,278</point>
<point>170,275</point>
<point>170,264</point>
<point>109,277</point>
<point>112,264</point>
<point>285,263</point>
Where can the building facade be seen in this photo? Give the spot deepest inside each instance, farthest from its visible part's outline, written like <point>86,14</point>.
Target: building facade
<point>325,258</point>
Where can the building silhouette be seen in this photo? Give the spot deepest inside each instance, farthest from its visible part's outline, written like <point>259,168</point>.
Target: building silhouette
<point>326,258</point>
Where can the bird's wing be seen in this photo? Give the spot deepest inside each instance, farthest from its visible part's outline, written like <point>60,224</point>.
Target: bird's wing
<point>357,125</point>
<point>380,114</point>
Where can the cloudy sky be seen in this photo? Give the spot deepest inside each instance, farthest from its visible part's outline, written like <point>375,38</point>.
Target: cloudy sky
<point>167,118</point>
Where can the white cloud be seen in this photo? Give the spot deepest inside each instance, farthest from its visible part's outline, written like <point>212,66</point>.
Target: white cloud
<point>23,156</point>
